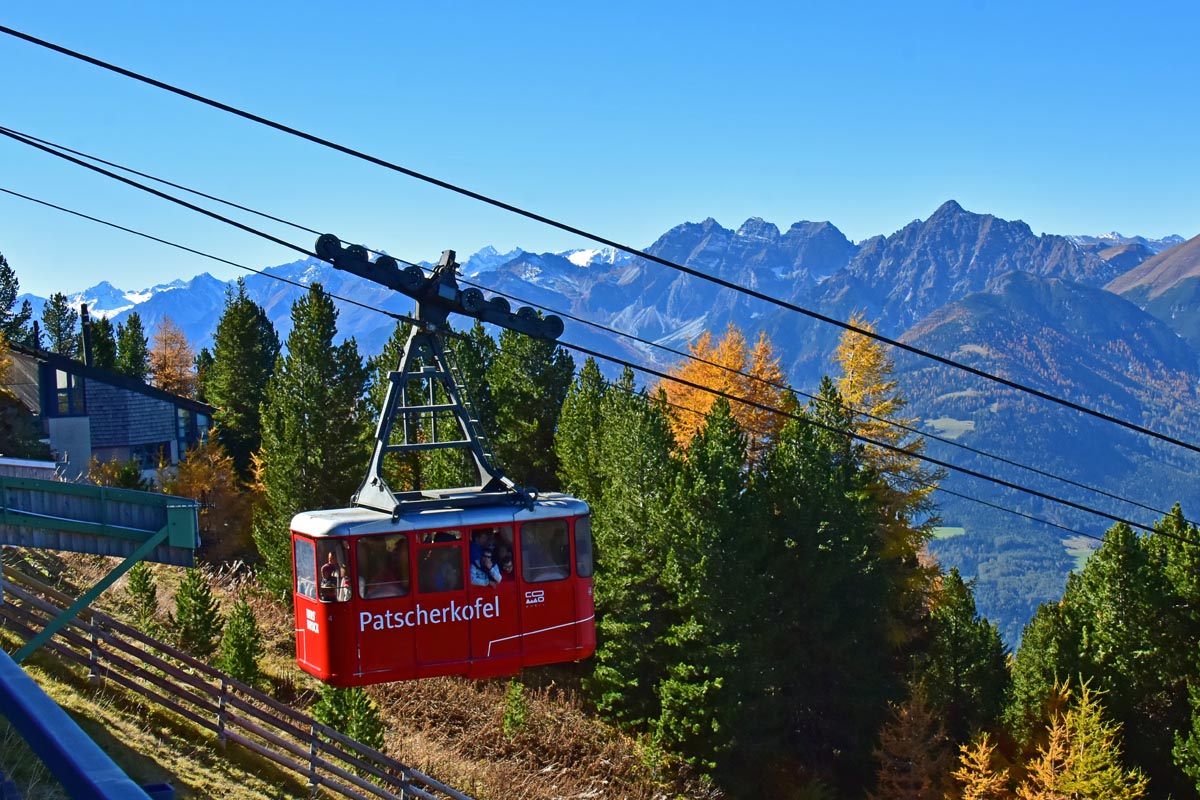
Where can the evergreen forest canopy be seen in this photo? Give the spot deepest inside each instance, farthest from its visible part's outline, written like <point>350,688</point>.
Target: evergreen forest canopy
<point>767,611</point>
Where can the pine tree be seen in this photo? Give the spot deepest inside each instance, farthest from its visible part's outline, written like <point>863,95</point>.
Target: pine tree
<point>708,551</point>
<point>104,343</point>
<point>196,624</point>
<point>577,441</point>
<point>1082,758</point>
<point>133,357</point>
<point>819,650</point>
<point>143,591</point>
<point>352,713</point>
<point>245,349</point>
<point>172,360</point>
<point>1048,656</point>
<point>14,325</point>
<point>61,324</point>
<point>979,776</point>
<point>904,487</point>
<point>631,527</point>
<point>241,645</point>
<point>964,671</point>
<point>529,379</point>
<point>314,436</point>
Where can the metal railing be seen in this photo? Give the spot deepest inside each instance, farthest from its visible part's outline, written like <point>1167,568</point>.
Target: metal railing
<point>229,709</point>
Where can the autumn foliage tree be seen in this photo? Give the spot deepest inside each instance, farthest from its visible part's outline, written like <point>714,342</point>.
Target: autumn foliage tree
<point>172,360</point>
<point>207,474</point>
<point>729,366</point>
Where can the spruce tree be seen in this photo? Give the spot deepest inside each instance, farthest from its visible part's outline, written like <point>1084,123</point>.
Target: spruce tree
<point>104,343</point>
<point>143,591</point>
<point>529,379</point>
<point>577,441</point>
<point>709,552</point>
<point>630,525</point>
<point>196,624</point>
<point>964,670</point>
<point>14,325</point>
<point>241,645</point>
<point>133,354</point>
<point>352,713</point>
<point>245,350</point>
<point>60,322</point>
<point>314,450</point>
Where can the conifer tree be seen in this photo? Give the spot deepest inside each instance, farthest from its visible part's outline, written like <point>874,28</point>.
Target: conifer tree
<point>631,525</point>
<point>819,650</point>
<point>60,322</point>
<point>352,713</point>
<point>20,435</point>
<point>133,355</point>
<point>728,366</point>
<point>241,645</point>
<point>196,624</point>
<point>913,754</point>
<point>14,325</point>
<point>1048,656</point>
<point>979,775</point>
<point>1082,758</point>
<point>143,591</point>
<point>964,671</point>
<point>529,379</point>
<point>708,551</point>
<point>904,487</point>
<point>245,349</point>
<point>204,362</point>
<point>578,438</point>
<point>314,436</point>
<point>172,360</point>
<point>104,343</point>
<point>206,474</point>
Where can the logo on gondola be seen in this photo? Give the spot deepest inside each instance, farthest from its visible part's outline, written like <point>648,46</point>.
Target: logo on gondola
<point>482,609</point>
<point>535,597</point>
<point>311,620</point>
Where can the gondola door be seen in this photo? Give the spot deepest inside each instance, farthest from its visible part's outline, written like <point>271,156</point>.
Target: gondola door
<point>441,632</point>
<point>495,611</point>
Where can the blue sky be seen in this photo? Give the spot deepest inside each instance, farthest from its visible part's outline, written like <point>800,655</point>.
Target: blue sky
<point>623,118</point>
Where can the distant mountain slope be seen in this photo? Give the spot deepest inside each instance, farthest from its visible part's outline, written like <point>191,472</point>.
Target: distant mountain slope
<point>899,279</point>
<point>1168,286</point>
<point>1078,342</point>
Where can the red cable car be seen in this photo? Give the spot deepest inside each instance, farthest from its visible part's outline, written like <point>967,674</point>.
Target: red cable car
<point>478,581</point>
<point>379,599</point>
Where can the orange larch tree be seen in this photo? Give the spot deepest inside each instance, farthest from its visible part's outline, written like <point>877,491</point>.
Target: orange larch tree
<point>729,366</point>
<point>172,360</point>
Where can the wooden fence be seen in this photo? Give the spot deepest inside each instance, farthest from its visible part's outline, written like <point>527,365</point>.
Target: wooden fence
<point>235,712</point>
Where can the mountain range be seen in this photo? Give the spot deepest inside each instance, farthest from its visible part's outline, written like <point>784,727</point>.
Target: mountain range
<point>1110,322</point>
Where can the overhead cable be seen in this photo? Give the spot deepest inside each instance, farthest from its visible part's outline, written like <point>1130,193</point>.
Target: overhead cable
<point>601,240</point>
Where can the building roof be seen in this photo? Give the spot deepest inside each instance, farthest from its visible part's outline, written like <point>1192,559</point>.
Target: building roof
<point>111,378</point>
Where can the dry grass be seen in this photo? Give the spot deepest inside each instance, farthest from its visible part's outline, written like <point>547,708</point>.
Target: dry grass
<point>449,728</point>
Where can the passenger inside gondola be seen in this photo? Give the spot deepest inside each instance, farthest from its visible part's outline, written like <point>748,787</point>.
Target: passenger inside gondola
<point>484,572</point>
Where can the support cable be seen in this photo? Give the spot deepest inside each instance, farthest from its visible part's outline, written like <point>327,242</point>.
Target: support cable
<point>27,138</point>
<point>598,239</point>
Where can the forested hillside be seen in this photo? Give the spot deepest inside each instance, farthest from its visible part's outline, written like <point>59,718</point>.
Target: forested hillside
<point>769,615</point>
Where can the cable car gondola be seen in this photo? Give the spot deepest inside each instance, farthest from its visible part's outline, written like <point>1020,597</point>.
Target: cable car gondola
<point>396,586</point>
